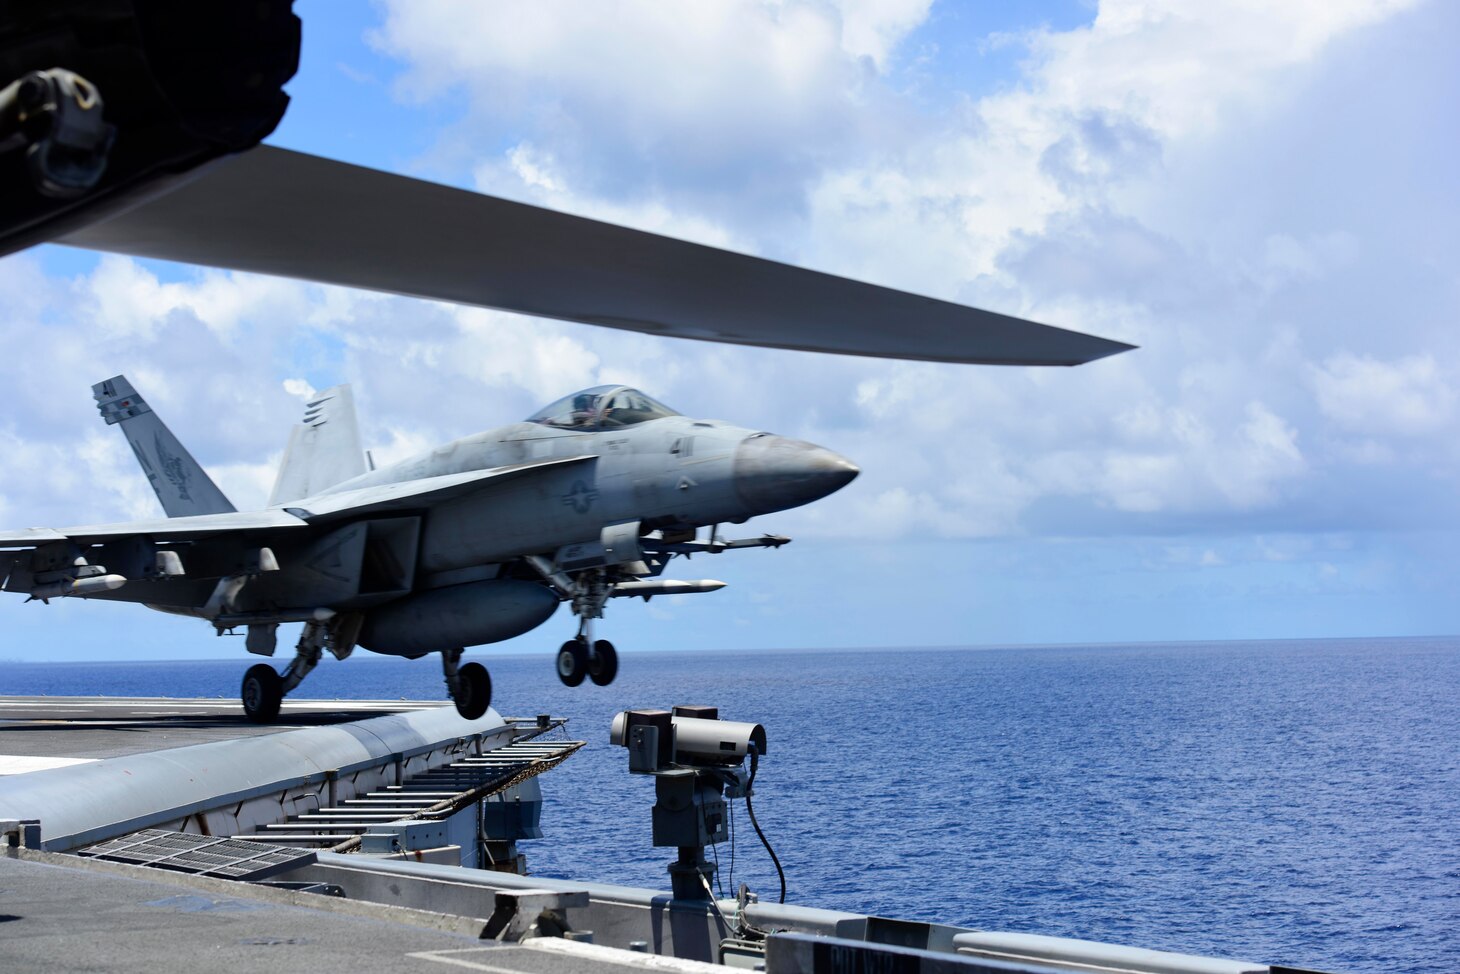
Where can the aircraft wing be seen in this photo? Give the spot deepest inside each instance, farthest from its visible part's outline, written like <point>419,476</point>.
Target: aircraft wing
<point>274,211</point>
<point>160,528</point>
<point>414,495</point>
<point>410,495</point>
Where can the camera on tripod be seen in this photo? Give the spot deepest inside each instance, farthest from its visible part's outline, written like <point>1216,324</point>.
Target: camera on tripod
<point>685,737</point>
<point>696,760</point>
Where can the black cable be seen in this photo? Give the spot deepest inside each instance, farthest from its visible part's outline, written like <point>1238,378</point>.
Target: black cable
<point>731,877</point>
<point>719,887</point>
<point>754,766</point>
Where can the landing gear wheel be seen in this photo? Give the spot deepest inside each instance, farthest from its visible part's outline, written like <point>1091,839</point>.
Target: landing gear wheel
<point>474,694</point>
<point>573,662</point>
<point>262,693</point>
<point>603,664</point>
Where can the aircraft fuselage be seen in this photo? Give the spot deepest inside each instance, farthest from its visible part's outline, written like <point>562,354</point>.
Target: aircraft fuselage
<point>673,474</point>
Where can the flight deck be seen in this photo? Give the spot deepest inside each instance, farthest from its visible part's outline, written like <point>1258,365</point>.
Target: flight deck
<point>157,834</point>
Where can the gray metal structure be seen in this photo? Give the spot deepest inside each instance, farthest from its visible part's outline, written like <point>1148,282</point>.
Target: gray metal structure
<point>476,541</point>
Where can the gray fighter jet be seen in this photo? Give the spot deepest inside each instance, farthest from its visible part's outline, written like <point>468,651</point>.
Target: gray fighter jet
<point>477,541</point>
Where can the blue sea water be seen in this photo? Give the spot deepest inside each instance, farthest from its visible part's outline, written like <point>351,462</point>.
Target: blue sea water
<point>1287,802</point>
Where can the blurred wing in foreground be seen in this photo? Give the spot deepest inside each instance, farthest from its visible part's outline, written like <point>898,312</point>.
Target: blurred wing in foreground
<point>274,211</point>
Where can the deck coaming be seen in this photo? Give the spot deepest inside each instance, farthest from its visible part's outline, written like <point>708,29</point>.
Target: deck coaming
<point>93,728</point>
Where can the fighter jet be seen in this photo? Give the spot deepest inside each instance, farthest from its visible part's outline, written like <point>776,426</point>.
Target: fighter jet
<point>474,542</point>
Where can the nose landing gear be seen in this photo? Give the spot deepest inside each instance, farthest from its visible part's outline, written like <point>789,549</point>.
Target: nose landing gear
<point>603,664</point>
<point>573,662</point>
<point>588,591</point>
<point>584,657</point>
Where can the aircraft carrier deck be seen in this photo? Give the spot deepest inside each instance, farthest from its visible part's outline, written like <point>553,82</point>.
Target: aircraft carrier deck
<point>164,834</point>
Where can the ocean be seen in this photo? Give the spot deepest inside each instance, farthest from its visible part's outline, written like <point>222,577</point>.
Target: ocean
<point>1292,802</point>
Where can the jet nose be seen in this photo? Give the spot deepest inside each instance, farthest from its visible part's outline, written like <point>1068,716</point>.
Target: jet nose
<point>774,473</point>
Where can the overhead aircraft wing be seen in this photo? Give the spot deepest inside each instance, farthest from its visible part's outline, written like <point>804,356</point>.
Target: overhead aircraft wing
<point>290,214</point>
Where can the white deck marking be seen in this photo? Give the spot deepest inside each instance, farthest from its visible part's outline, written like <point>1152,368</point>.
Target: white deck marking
<point>24,764</point>
<point>443,957</point>
<point>72,703</point>
<point>624,958</point>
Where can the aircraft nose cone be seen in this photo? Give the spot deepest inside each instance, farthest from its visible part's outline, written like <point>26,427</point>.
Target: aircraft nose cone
<point>773,473</point>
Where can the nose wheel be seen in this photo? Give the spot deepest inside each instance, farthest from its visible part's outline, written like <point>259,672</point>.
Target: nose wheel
<point>573,662</point>
<point>577,660</point>
<point>603,664</point>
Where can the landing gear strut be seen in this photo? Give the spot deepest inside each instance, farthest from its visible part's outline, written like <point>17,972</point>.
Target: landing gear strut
<point>263,690</point>
<point>470,686</point>
<point>582,656</point>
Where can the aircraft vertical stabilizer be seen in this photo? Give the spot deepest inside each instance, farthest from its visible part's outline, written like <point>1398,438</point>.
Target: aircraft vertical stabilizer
<point>323,450</point>
<point>179,482</point>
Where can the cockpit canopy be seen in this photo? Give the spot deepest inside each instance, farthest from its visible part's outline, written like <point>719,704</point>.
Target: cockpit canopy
<point>601,408</point>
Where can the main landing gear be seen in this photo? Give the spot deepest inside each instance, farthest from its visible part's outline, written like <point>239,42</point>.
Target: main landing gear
<point>263,690</point>
<point>470,686</point>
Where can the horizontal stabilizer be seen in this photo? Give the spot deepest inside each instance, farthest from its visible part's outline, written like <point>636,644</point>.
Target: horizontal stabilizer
<point>274,211</point>
<point>179,482</point>
<point>324,449</point>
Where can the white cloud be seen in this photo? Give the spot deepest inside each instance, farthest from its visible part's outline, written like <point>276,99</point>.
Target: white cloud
<point>1407,397</point>
<point>299,388</point>
<point>874,28</point>
<point>1097,110</point>
<point>124,300</point>
<point>701,87</point>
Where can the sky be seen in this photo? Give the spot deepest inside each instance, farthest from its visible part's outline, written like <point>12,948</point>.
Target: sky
<point>1261,196</point>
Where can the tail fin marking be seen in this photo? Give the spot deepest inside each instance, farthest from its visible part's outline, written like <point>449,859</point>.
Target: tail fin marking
<point>323,450</point>
<point>181,485</point>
